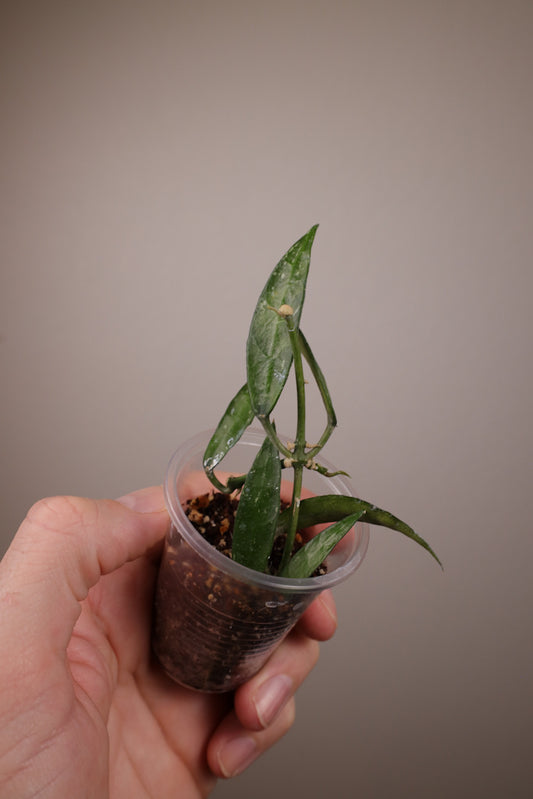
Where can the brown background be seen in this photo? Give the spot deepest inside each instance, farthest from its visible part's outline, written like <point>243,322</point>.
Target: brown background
<point>157,159</point>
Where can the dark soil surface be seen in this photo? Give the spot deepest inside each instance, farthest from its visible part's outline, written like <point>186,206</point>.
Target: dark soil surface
<point>213,515</point>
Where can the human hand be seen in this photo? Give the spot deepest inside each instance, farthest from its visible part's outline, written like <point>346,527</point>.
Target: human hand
<point>85,711</point>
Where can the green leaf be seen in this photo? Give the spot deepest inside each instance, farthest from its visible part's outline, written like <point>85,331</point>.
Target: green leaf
<point>324,393</point>
<point>258,510</point>
<point>319,377</point>
<point>332,507</point>
<point>310,556</point>
<point>268,350</point>
<point>237,417</point>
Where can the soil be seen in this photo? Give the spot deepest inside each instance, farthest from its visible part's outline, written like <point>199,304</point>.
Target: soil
<point>213,515</point>
<point>212,632</point>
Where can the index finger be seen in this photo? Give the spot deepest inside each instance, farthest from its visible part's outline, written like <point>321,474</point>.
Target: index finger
<point>61,550</point>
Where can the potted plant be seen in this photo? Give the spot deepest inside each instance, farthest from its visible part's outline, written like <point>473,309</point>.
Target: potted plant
<point>251,546</point>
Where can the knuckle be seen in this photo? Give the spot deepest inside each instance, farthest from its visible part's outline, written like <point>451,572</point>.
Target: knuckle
<point>314,653</point>
<point>309,651</point>
<point>288,716</point>
<point>57,513</point>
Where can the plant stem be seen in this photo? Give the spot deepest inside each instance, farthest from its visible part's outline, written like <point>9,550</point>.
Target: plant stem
<point>324,393</point>
<point>295,512</point>
<point>298,455</point>
<point>270,430</point>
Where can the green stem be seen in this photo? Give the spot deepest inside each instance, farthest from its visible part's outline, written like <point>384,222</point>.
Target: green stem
<point>270,430</point>
<point>299,448</point>
<point>324,393</point>
<point>298,455</point>
<point>295,512</point>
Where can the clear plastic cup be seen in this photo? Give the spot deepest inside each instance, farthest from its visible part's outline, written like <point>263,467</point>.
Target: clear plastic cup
<point>216,621</point>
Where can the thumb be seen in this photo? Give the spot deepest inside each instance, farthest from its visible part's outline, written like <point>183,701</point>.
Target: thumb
<point>63,547</point>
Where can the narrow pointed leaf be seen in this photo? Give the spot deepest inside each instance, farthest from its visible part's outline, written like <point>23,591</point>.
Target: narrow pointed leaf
<point>237,417</point>
<point>268,350</point>
<point>332,507</point>
<point>257,514</point>
<point>314,552</point>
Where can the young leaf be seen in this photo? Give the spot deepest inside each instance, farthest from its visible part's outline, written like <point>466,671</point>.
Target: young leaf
<point>237,417</point>
<point>257,514</point>
<point>332,507</point>
<point>268,350</point>
<point>311,555</point>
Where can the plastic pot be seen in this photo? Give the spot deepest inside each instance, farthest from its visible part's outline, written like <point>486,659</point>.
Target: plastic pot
<point>216,621</point>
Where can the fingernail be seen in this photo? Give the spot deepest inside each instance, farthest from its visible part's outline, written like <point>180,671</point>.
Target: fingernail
<point>147,500</point>
<point>237,755</point>
<point>271,696</point>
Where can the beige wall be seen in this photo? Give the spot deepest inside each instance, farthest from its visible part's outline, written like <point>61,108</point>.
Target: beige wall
<point>157,159</point>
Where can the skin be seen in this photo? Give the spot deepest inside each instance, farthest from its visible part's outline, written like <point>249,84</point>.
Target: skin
<point>84,709</point>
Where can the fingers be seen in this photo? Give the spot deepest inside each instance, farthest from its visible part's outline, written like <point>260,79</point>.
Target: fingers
<point>260,700</point>
<point>320,619</point>
<point>61,550</point>
<point>264,707</point>
<point>232,748</point>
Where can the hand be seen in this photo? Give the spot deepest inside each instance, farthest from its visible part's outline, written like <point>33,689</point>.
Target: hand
<point>84,709</point>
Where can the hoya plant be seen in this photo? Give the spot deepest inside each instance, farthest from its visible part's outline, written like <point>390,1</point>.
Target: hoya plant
<point>276,346</point>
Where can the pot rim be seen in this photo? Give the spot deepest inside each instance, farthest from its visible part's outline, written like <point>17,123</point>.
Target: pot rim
<point>194,447</point>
